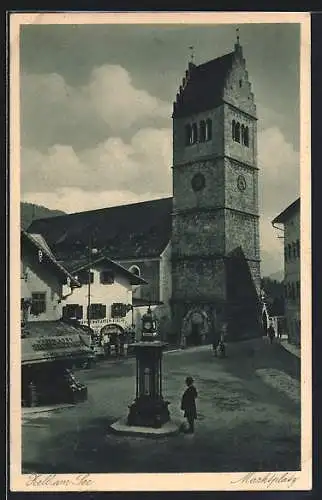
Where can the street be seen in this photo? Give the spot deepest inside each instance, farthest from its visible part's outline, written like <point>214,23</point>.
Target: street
<point>248,417</point>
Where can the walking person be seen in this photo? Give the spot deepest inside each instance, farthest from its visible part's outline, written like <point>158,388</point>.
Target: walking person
<point>106,345</point>
<point>188,404</point>
<point>271,333</point>
<point>279,332</point>
<point>222,348</point>
<point>214,348</point>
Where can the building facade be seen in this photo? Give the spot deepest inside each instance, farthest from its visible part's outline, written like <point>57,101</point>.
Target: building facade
<point>215,231</point>
<point>139,238</point>
<point>44,281</point>
<point>290,219</point>
<point>105,294</point>
<point>49,346</point>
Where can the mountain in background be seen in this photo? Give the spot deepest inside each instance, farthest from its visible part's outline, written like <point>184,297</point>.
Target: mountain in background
<point>30,212</point>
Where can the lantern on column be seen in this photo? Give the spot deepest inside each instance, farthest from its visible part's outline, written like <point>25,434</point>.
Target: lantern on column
<point>149,326</point>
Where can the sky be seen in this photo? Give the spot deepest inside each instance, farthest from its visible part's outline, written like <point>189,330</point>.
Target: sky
<point>96,104</point>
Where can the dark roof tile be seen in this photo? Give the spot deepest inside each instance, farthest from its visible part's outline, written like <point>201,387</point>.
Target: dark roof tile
<point>126,231</point>
<point>288,212</point>
<point>204,87</point>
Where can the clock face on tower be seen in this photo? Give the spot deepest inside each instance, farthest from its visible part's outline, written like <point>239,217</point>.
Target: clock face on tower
<point>241,183</point>
<point>198,182</point>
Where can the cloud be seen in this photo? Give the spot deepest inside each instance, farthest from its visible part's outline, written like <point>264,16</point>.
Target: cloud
<point>279,171</point>
<point>118,102</point>
<point>278,187</point>
<point>271,247</point>
<point>54,112</point>
<point>80,150</point>
<point>140,166</point>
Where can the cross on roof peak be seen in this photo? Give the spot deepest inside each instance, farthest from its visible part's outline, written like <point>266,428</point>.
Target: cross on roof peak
<point>237,35</point>
<point>192,54</point>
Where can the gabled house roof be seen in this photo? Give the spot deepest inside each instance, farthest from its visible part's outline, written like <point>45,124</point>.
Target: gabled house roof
<point>75,266</point>
<point>38,243</point>
<point>126,231</point>
<point>288,212</point>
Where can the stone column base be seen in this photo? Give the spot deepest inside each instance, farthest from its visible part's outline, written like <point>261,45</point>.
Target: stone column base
<point>148,412</point>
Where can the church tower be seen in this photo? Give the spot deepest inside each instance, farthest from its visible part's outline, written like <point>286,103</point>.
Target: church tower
<point>215,228</point>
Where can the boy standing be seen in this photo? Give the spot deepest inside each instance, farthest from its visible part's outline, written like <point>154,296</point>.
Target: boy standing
<point>188,404</point>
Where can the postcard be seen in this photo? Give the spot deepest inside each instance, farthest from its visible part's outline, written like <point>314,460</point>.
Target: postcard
<point>160,212</point>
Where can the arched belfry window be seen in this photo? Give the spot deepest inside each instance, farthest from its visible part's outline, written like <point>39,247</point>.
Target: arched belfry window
<point>202,137</point>
<point>208,130</point>
<point>237,132</point>
<point>194,134</point>
<point>187,135</point>
<point>233,130</point>
<point>246,136</point>
<point>242,129</point>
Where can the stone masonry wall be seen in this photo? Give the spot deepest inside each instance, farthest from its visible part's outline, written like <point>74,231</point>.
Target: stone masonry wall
<point>241,230</point>
<point>238,89</point>
<point>220,217</point>
<point>184,154</point>
<point>200,233</point>
<point>195,280</point>
<point>247,200</point>
<point>213,193</point>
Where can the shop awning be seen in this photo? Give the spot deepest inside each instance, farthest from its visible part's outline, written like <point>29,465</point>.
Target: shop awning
<point>54,340</point>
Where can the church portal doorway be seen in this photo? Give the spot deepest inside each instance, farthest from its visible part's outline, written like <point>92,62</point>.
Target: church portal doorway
<point>195,337</point>
<point>195,328</point>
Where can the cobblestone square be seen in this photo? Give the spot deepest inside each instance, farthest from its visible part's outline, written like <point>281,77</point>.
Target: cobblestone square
<point>248,417</point>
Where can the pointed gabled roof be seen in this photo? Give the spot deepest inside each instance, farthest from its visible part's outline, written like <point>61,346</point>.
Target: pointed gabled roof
<point>38,242</point>
<point>288,212</point>
<point>203,86</point>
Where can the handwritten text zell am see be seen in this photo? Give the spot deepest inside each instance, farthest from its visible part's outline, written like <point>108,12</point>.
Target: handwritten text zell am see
<point>51,480</point>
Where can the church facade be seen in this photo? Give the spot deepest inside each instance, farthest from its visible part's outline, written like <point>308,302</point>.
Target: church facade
<point>215,230</point>
<point>198,250</point>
